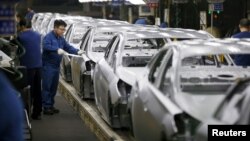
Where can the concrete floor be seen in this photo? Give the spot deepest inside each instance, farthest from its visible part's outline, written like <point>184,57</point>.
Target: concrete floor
<point>65,126</point>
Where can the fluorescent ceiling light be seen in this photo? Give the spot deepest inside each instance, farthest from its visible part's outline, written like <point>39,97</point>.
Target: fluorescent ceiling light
<point>135,2</point>
<point>83,1</point>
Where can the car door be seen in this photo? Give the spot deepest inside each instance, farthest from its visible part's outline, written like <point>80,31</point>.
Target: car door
<point>234,109</point>
<point>104,75</point>
<point>65,61</point>
<point>66,58</point>
<point>148,104</point>
<point>68,32</point>
<point>78,62</point>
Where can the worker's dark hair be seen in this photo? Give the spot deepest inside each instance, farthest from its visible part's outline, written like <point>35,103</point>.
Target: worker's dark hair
<point>58,23</point>
<point>22,22</point>
<point>245,22</point>
<point>18,15</point>
<point>25,23</point>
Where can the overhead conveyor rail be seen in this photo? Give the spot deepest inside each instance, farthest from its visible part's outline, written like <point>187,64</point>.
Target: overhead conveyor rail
<point>90,115</point>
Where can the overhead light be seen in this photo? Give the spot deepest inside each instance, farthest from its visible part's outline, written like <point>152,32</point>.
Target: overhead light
<point>137,2</point>
<point>84,1</point>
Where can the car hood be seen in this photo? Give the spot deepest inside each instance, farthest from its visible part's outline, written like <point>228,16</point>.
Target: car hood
<point>95,56</point>
<point>77,46</point>
<point>130,74</point>
<point>201,107</point>
<point>202,104</point>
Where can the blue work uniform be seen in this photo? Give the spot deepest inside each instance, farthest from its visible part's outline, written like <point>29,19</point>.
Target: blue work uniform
<point>11,112</point>
<point>141,21</point>
<point>29,15</point>
<point>32,60</point>
<point>51,65</point>
<point>31,41</point>
<point>242,60</point>
<point>164,25</point>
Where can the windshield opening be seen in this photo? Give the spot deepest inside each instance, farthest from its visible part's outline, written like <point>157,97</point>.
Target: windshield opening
<point>101,41</point>
<point>77,35</point>
<point>138,52</point>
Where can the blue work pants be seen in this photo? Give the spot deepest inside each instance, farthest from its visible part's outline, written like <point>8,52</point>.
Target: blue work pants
<point>49,85</point>
<point>34,79</point>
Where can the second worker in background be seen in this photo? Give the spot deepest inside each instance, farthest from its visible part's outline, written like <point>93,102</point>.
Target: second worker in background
<point>243,59</point>
<point>32,59</point>
<point>54,46</point>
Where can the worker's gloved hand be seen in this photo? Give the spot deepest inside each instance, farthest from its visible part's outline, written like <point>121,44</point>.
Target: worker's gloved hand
<point>61,52</point>
<point>80,52</point>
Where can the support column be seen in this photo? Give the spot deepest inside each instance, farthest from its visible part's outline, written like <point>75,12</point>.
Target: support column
<point>130,15</point>
<point>123,11</point>
<point>104,11</point>
<point>85,7</point>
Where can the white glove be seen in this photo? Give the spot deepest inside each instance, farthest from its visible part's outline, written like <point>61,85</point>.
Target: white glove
<point>80,52</point>
<point>61,52</point>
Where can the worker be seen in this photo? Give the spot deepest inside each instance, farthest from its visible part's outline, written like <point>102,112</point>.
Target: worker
<point>30,14</point>
<point>32,60</point>
<point>11,112</point>
<point>54,46</point>
<point>242,59</point>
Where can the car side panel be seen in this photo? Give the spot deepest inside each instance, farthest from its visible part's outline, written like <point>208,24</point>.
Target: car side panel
<point>76,68</point>
<point>103,77</point>
<point>147,114</point>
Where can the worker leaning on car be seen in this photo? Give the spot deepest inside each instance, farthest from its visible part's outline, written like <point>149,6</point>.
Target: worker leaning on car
<point>54,46</point>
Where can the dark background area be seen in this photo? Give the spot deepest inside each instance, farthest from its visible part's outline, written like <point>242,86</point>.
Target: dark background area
<point>181,15</point>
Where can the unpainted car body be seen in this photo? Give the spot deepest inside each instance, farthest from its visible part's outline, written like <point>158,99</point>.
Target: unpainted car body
<point>182,86</point>
<point>93,44</point>
<point>73,36</point>
<point>34,20</point>
<point>124,78</point>
<point>38,22</point>
<point>124,60</point>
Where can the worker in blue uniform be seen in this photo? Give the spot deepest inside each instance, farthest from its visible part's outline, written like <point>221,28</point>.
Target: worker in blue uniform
<point>243,60</point>
<point>141,21</point>
<point>30,14</point>
<point>32,60</point>
<point>54,46</point>
<point>149,20</point>
<point>11,112</point>
<point>163,25</point>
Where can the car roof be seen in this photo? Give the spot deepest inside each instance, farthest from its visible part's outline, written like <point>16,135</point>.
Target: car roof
<point>105,21</point>
<point>143,33</point>
<point>212,46</point>
<point>131,30</point>
<point>182,33</point>
<point>67,17</point>
<point>111,26</point>
<point>119,28</point>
